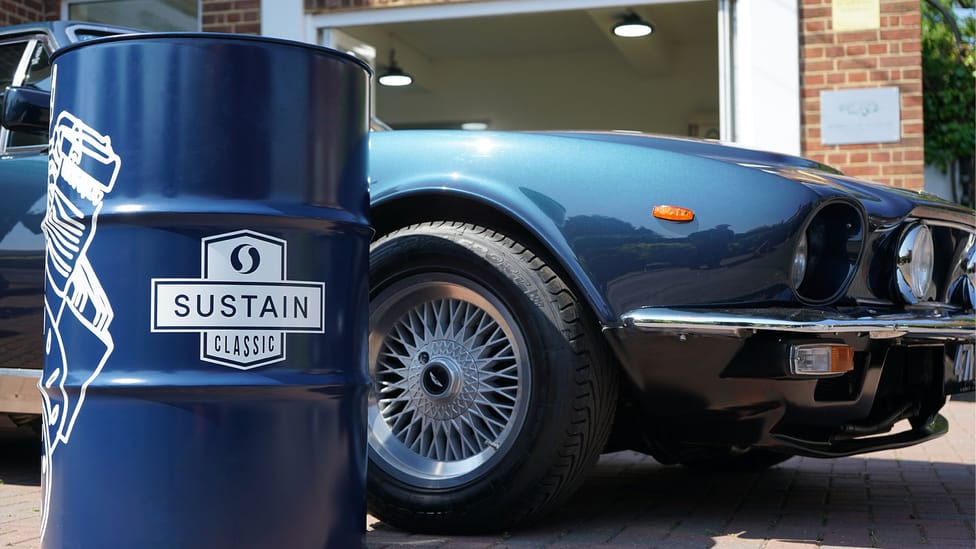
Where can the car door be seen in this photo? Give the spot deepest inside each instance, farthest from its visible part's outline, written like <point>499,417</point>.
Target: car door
<point>24,61</point>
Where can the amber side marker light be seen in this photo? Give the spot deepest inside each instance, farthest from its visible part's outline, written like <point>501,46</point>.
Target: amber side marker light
<point>821,360</point>
<point>674,213</point>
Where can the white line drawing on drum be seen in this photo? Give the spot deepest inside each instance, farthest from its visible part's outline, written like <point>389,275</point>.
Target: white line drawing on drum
<point>82,169</point>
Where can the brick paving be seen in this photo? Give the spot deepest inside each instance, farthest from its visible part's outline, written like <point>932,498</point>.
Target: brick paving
<point>919,496</point>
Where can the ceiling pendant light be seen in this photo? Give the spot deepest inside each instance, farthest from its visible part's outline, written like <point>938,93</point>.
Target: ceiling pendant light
<point>631,25</point>
<point>394,76</point>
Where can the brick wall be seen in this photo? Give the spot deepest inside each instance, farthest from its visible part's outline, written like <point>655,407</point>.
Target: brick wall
<point>15,12</point>
<point>887,57</point>
<point>318,6</point>
<point>52,10</point>
<point>236,16</point>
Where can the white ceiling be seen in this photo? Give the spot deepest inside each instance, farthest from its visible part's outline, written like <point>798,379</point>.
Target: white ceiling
<point>559,32</point>
<point>550,33</point>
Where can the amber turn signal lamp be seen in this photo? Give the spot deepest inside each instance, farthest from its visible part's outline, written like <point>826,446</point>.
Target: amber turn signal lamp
<point>674,213</point>
<point>841,359</point>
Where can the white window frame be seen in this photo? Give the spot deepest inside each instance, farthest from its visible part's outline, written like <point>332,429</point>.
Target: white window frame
<point>726,70</point>
<point>66,9</point>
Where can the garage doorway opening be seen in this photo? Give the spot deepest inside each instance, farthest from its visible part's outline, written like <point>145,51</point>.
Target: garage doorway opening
<point>555,70</point>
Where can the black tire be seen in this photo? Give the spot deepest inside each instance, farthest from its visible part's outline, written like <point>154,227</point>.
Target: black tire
<point>518,432</point>
<point>732,461</point>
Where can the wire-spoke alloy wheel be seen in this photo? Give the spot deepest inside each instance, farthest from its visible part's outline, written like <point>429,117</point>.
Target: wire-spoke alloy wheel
<point>492,393</point>
<point>450,376</point>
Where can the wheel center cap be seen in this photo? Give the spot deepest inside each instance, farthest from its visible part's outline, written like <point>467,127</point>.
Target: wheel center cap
<point>439,380</point>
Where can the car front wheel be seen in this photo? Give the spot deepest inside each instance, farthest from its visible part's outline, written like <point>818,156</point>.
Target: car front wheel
<point>491,395</point>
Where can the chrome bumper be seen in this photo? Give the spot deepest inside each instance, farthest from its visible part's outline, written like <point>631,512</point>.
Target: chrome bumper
<point>738,323</point>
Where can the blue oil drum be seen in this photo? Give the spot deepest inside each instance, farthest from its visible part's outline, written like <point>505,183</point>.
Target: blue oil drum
<point>206,295</point>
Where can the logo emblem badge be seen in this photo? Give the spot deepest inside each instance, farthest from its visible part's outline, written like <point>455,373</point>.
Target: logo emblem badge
<point>243,306</point>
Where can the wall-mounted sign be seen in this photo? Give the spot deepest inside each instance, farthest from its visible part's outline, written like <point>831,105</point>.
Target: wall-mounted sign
<point>853,15</point>
<point>870,115</point>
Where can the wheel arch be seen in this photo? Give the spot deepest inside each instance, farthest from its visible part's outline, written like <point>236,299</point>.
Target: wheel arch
<point>406,209</point>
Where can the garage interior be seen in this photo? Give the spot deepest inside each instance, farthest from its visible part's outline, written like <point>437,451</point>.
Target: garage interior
<point>551,71</point>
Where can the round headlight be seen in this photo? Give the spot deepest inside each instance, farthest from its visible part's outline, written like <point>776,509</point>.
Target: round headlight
<point>916,256</point>
<point>800,261</point>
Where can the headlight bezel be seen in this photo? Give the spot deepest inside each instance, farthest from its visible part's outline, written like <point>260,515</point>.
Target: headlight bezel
<point>835,236</point>
<point>915,264</point>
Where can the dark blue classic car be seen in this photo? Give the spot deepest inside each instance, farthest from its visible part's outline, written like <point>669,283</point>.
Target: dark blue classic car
<point>538,299</point>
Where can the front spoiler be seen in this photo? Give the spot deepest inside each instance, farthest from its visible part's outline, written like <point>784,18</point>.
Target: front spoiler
<point>843,448</point>
<point>922,324</point>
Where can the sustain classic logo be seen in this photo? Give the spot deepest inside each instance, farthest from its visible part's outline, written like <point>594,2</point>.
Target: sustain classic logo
<point>244,305</point>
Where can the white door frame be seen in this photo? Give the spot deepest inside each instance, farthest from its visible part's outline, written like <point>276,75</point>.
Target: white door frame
<point>764,80</point>
<point>66,9</point>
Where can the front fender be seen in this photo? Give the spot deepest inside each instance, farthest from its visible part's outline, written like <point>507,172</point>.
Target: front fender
<point>589,203</point>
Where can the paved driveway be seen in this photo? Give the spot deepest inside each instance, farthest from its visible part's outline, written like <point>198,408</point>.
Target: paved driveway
<point>920,496</point>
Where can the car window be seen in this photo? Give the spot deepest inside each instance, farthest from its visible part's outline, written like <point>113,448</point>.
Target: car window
<point>10,55</point>
<point>11,52</point>
<point>37,76</point>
